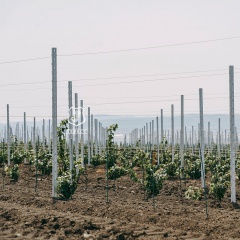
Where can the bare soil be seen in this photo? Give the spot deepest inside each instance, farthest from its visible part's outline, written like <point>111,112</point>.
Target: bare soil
<point>26,214</point>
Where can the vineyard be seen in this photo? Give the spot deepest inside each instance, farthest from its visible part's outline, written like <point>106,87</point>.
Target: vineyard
<point>63,181</point>
<point>119,120</point>
<point>126,191</point>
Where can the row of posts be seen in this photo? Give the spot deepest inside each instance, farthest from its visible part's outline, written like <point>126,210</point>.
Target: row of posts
<point>95,138</point>
<point>142,136</point>
<point>145,137</point>
<point>134,134</point>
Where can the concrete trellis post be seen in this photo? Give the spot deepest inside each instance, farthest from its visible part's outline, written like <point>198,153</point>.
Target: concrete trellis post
<point>157,141</point>
<point>82,134</point>
<point>147,135</point>
<point>182,133</point>
<point>219,137</point>
<point>54,123</point>
<point>89,135</point>
<point>8,135</point>
<point>236,142</point>
<point>150,136</point>
<point>24,135</point>
<point>225,141</point>
<point>43,134</point>
<point>232,134</point>
<point>140,138</point>
<point>192,139</point>
<point>49,135</point>
<point>99,137</point>
<point>34,134</point>
<point>144,138</point>
<point>201,131</point>
<point>172,130</point>
<point>70,124</point>
<point>162,134</point>
<point>96,136</point>
<point>153,134</point>
<point>76,127</point>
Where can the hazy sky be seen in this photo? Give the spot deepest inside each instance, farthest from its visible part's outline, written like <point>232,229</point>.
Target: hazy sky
<point>29,29</point>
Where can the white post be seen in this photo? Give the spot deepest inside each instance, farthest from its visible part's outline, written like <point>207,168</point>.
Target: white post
<point>49,135</point>
<point>153,133</point>
<point>82,134</point>
<point>140,138</point>
<point>70,124</point>
<point>91,135</point>
<point>43,134</point>
<point>219,137</point>
<point>192,140</point>
<point>232,135</point>
<point>8,134</point>
<point>89,153</point>
<point>147,135</point>
<point>96,136</point>
<point>144,138</point>
<point>172,130</point>
<point>236,141</point>
<point>76,128</point>
<point>54,123</point>
<point>24,135</point>
<point>202,137</point>
<point>225,141</point>
<point>34,134</point>
<point>150,136</point>
<point>182,133</point>
<point>161,125</point>
<point>99,137</point>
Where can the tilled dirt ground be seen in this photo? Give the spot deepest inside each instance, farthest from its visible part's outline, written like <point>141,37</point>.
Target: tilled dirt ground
<point>26,214</point>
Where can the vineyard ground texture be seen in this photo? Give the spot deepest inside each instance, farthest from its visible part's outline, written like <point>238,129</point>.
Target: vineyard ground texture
<point>25,214</point>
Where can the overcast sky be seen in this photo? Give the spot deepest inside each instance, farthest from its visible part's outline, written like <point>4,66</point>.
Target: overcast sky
<point>29,29</point>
